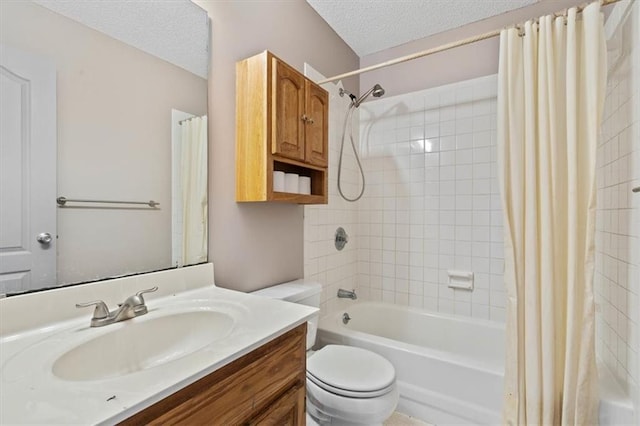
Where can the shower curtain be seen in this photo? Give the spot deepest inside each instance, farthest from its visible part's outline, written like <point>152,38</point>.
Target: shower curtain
<point>194,190</point>
<point>552,79</point>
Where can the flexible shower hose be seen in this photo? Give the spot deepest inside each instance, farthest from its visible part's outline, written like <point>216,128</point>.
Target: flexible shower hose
<point>349,121</point>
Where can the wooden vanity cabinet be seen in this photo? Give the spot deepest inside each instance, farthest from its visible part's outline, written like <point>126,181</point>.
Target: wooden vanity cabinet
<point>264,387</point>
<point>282,124</point>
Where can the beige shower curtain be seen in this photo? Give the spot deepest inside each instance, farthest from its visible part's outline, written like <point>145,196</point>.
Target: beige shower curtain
<point>552,79</point>
<point>194,190</point>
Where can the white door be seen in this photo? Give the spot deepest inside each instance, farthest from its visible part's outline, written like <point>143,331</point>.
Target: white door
<point>27,171</point>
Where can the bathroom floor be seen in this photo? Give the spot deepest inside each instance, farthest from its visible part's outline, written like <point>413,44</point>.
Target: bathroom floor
<point>399,419</point>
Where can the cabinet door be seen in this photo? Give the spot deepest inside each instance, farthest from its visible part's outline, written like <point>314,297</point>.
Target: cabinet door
<point>288,410</point>
<point>317,126</point>
<point>288,115</point>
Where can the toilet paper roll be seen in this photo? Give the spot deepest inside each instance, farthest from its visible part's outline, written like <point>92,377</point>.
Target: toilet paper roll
<point>304,185</point>
<point>291,182</point>
<point>278,181</point>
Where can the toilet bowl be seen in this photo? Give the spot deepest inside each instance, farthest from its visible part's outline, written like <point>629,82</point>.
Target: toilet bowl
<point>345,385</point>
<point>349,384</point>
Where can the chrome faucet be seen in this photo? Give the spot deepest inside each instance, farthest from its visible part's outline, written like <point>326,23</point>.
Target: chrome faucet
<point>346,294</point>
<point>132,307</point>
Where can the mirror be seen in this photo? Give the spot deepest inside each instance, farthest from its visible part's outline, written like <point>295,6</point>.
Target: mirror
<point>104,121</point>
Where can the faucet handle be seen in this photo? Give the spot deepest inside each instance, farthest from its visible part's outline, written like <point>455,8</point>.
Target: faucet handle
<point>101,310</point>
<point>149,290</point>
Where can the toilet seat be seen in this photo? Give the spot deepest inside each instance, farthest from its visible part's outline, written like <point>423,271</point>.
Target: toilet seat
<point>351,372</point>
<point>345,392</point>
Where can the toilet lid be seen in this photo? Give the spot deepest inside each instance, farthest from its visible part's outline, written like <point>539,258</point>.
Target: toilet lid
<point>350,371</point>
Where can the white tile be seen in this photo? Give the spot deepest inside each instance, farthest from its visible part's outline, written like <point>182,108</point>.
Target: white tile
<point>463,171</point>
<point>431,116</point>
<point>464,202</point>
<point>483,123</point>
<point>447,113</point>
<point>428,205</point>
<point>464,110</point>
<point>463,125</point>
<point>448,143</point>
<point>480,311</point>
<point>463,186</point>
<point>447,158</point>
<point>481,107</point>
<point>464,156</point>
<point>431,130</point>
<point>415,301</point>
<point>450,127</point>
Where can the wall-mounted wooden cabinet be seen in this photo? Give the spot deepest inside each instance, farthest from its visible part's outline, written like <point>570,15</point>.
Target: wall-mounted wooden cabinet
<point>282,121</point>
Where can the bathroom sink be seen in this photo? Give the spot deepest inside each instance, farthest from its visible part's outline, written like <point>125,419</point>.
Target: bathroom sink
<point>142,344</point>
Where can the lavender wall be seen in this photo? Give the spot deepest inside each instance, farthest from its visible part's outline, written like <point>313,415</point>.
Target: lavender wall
<point>254,245</point>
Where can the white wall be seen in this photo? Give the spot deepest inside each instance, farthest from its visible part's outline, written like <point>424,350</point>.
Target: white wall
<point>432,201</point>
<point>617,278</point>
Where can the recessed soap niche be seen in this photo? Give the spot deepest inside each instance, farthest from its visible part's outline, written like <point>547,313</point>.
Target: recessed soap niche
<point>461,280</point>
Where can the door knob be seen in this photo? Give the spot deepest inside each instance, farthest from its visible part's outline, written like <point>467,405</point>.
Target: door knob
<point>44,238</point>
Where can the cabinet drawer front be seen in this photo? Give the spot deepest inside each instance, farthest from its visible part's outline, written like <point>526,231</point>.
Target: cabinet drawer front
<point>287,410</point>
<point>317,127</point>
<point>288,117</point>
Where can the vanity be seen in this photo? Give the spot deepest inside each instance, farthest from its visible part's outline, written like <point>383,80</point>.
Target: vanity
<point>201,355</point>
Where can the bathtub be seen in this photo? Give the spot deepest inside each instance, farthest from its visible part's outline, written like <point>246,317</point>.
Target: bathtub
<point>449,368</point>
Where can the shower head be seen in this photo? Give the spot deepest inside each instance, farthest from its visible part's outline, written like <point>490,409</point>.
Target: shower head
<point>376,91</point>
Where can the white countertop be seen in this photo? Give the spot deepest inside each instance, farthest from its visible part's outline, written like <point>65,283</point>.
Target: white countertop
<point>31,394</point>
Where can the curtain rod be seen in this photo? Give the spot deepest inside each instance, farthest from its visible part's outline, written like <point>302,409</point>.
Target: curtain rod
<point>438,49</point>
<point>186,119</point>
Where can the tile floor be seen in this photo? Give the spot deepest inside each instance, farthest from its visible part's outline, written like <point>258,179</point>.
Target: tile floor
<point>399,419</point>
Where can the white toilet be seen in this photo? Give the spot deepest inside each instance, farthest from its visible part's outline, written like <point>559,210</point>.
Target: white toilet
<point>345,385</point>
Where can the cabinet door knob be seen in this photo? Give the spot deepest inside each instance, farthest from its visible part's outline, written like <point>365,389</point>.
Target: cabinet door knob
<point>310,120</point>
<point>304,118</point>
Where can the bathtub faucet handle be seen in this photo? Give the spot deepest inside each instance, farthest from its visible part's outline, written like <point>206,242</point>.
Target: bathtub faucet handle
<point>346,294</point>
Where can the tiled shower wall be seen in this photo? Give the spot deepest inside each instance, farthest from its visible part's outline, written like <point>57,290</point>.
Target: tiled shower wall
<point>322,262</point>
<point>432,203</point>
<point>617,278</point>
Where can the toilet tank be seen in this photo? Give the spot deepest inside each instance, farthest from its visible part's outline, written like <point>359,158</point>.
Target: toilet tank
<point>303,292</point>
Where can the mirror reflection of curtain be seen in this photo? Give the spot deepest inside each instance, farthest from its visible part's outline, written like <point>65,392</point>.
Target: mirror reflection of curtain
<point>194,190</point>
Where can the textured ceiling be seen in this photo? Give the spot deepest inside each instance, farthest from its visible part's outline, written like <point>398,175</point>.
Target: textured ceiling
<point>369,26</point>
<point>176,30</point>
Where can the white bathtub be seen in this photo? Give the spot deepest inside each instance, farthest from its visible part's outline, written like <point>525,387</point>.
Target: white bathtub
<point>449,368</point>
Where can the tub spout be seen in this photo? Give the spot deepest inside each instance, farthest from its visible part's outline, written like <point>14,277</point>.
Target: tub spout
<point>346,294</point>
